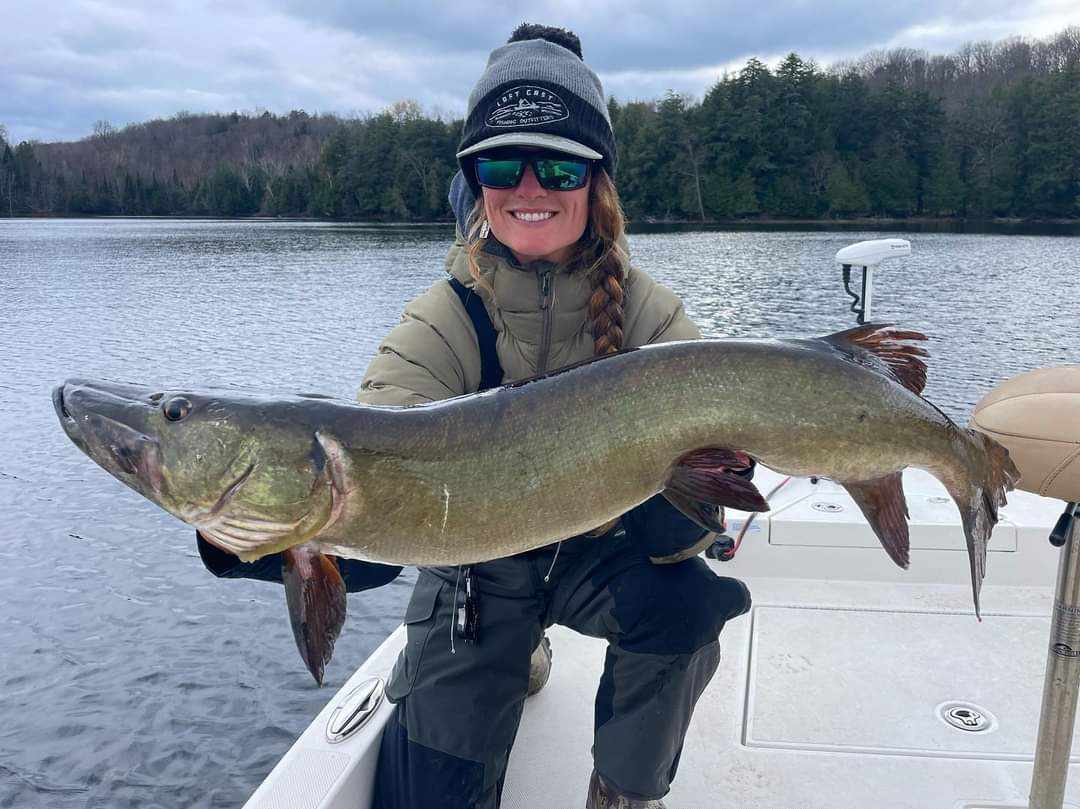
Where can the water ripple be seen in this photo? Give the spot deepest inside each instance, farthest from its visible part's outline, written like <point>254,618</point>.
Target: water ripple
<point>133,678</point>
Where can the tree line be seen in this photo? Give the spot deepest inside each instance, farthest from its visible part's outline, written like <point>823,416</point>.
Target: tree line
<point>992,130</point>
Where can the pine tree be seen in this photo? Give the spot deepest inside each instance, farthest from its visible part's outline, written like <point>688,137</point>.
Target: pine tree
<point>891,178</point>
<point>989,131</point>
<point>945,189</point>
<point>845,196</point>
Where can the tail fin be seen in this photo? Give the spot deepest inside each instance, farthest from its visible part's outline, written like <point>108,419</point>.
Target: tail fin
<point>979,495</point>
<point>315,595</point>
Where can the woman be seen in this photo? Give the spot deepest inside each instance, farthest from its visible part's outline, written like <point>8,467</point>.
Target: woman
<point>540,279</point>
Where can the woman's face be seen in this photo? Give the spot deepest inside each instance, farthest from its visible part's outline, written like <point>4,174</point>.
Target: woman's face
<point>535,223</point>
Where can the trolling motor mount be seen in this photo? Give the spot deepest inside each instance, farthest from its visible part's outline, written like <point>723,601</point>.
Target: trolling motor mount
<point>867,255</point>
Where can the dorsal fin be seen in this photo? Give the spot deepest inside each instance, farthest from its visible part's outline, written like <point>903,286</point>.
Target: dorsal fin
<point>882,347</point>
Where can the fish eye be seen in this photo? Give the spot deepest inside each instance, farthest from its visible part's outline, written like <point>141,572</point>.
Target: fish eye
<point>176,408</point>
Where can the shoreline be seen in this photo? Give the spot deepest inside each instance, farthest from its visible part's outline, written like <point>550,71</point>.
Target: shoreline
<point>646,221</point>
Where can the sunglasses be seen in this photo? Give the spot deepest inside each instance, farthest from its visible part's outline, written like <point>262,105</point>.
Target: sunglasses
<point>555,172</point>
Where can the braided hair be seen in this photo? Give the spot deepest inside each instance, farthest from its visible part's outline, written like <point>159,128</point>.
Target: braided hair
<point>606,270</point>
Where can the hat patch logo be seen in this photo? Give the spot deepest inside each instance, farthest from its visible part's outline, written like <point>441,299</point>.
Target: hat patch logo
<point>527,105</point>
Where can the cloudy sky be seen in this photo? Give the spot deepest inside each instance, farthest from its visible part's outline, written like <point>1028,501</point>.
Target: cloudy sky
<point>65,65</point>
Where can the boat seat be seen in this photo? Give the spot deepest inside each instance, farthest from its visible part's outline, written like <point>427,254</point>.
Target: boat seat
<point>1036,416</point>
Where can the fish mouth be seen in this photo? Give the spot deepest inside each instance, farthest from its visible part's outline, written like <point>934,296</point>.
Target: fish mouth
<point>67,421</point>
<point>58,403</point>
<point>101,419</point>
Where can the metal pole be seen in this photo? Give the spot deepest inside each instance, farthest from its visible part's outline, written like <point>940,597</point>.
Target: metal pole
<point>867,292</point>
<point>1062,684</point>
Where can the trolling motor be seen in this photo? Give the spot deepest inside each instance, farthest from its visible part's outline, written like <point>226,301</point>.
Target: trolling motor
<point>867,255</point>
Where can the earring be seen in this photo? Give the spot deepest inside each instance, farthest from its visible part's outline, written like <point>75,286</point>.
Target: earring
<point>485,229</point>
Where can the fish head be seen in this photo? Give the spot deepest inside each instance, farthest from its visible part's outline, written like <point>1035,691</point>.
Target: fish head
<point>110,422</point>
<point>249,472</point>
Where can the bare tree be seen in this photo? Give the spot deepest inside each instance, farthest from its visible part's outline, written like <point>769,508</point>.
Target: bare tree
<point>405,111</point>
<point>103,129</point>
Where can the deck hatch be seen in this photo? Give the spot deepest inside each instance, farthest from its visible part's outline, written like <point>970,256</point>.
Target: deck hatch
<point>875,681</point>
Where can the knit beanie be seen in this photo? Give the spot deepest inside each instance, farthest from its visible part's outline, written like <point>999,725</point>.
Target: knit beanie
<point>537,93</point>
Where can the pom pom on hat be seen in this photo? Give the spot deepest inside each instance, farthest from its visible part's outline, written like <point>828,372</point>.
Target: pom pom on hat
<point>560,36</point>
<point>537,92</point>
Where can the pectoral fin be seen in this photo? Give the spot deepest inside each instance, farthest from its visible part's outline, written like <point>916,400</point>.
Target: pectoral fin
<point>882,503</point>
<point>707,515</point>
<point>315,595</point>
<point>705,480</point>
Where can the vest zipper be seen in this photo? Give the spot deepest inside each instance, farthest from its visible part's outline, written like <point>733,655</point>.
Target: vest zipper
<point>546,299</point>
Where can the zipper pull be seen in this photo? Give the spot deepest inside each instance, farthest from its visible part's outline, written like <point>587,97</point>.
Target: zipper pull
<point>545,288</point>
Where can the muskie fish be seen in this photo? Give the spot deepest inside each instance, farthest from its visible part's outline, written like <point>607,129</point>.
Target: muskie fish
<point>497,473</point>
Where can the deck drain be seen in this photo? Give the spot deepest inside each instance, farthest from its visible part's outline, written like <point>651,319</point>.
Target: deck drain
<point>828,508</point>
<point>967,717</point>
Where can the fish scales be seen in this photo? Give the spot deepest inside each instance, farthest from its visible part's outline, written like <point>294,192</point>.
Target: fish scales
<point>492,474</point>
<point>542,461</point>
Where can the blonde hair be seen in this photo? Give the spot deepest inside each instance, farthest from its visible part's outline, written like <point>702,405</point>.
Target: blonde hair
<point>598,253</point>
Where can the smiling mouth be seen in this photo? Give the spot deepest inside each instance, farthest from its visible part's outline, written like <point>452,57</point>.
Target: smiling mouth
<point>532,216</point>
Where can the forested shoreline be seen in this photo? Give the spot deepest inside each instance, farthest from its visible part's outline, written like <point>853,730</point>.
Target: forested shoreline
<point>990,131</point>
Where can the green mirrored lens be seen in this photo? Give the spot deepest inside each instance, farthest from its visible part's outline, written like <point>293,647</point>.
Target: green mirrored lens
<point>561,175</point>
<point>499,173</point>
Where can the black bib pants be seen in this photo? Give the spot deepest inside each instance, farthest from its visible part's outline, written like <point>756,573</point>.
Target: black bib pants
<point>458,704</point>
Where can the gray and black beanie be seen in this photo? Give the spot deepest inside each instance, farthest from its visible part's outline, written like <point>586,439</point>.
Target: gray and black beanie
<point>537,93</point>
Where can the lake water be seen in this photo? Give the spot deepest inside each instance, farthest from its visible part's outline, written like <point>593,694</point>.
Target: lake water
<point>131,677</point>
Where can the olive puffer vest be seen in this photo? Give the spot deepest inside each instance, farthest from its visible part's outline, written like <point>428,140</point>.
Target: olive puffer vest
<point>540,314</point>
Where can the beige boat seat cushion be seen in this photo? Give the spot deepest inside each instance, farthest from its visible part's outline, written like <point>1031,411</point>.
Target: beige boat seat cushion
<point>1037,417</point>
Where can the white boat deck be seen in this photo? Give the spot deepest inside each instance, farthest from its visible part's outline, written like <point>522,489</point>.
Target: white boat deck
<point>830,691</point>
<point>827,698</point>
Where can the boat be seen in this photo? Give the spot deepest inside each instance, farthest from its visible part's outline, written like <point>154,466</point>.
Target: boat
<point>850,684</point>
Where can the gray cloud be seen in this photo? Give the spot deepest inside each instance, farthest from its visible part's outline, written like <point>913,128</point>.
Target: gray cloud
<point>127,61</point>
<point>640,35</point>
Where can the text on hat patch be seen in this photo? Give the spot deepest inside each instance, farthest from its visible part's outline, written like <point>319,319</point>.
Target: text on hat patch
<point>527,105</point>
